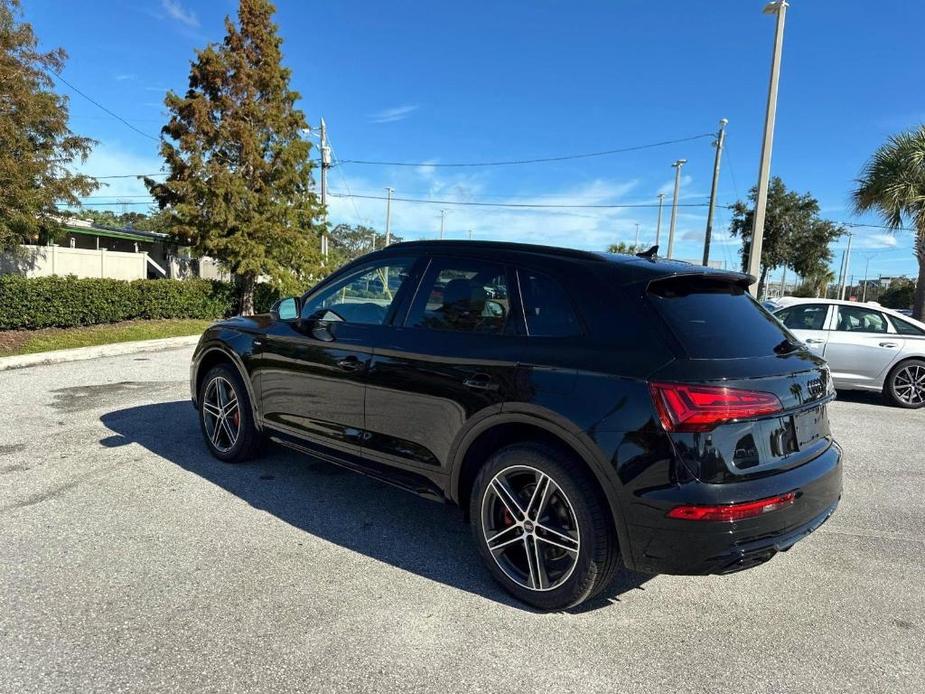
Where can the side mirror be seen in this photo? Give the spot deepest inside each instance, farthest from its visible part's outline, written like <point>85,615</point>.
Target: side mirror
<point>287,309</point>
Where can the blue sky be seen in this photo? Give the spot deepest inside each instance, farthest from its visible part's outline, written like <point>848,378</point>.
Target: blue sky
<point>446,82</point>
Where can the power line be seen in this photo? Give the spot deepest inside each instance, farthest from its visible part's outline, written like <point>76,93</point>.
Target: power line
<point>103,108</point>
<point>474,203</point>
<point>537,160</point>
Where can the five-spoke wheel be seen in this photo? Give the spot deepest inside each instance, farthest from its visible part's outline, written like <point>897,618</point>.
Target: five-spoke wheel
<point>225,415</point>
<point>541,527</point>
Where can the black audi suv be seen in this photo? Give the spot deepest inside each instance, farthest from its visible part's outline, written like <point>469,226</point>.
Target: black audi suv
<point>585,410</point>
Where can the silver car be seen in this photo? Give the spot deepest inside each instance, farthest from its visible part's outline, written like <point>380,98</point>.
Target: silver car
<point>868,347</point>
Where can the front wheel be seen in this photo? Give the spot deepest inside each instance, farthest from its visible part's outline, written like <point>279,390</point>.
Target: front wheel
<point>542,527</point>
<point>225,416</point>
<point>905,385</point>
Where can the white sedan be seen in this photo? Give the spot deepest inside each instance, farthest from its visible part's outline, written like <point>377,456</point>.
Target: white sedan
<point>867,346</point>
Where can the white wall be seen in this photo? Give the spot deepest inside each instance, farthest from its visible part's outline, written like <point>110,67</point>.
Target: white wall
<point>41,261</point>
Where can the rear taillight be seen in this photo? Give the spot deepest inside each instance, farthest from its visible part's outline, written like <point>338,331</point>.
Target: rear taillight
<point>733,512</point>
<point>683,407</point>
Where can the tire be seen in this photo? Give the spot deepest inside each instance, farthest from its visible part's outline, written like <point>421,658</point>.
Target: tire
<point>574,516</point>
<point>905,384</point>
<point>224,382</point>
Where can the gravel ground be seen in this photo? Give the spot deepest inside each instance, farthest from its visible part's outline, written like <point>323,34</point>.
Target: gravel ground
<point>130,560</point>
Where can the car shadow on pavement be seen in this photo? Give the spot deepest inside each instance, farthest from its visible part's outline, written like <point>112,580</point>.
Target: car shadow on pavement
<point>864,397</point>
<point>337,505</point>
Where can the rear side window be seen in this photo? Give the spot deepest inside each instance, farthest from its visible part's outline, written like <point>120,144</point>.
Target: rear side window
<point>547,307</point>
<point>462,295</point>
<point>860,320</point>
<point>905,328</point>
<point>716,319</point>
<point>803,317</point>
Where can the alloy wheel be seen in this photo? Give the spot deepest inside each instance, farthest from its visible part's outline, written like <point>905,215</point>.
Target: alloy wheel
<point>221,414</point>
<point>530,528</point>
<point>909,384</point>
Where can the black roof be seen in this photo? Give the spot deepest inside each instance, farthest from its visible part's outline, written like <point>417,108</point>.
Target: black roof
<point>632,268</point>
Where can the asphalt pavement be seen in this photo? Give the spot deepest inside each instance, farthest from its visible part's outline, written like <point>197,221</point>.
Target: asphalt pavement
<point>130,560</point>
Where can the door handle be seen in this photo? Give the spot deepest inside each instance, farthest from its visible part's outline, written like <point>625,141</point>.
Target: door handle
<point>813,341</point>
<point>890,345</point>
<point>350,364</point>
<point>481,382</point>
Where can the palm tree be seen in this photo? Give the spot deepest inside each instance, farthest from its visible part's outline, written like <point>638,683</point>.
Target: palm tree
<point>893,184</point>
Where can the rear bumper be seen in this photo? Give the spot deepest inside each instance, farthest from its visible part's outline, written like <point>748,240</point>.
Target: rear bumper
<point>675,546</point>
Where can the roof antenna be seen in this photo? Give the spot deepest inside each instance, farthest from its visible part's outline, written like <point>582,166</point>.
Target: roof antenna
<point>649,254</point>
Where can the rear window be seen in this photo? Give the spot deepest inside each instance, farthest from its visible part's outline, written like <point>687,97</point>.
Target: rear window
<point>715,319</point>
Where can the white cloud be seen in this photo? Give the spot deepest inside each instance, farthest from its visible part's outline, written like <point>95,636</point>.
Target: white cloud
<point>111,160</point>
<point>878,241</point>
<point>175,10</point>
<point>124,77</point>
<point>391,115</point>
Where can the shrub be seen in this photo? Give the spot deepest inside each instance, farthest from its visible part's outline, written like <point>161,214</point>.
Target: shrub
<point>64,302</point>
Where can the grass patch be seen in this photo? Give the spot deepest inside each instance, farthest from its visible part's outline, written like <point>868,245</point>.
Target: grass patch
<point>14,342</point>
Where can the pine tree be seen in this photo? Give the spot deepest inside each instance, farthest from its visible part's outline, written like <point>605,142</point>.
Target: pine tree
<point>239,173</point>
<point>36,144</point>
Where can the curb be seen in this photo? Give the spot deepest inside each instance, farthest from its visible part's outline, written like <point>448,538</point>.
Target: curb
<point>115,349</point>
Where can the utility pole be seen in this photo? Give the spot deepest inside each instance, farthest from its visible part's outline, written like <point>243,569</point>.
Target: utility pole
<point>674,204</point>
<point>864,291</point>
<point>847,261</point>
<point>388,218</point>
<point>783,281</point>
<point>636,243</point>
<point>442,220</point>
<point>658,223</point>
<point>325,165</point>
<point>778,7</point>
<point>720,139</point>
<point>470,234</point>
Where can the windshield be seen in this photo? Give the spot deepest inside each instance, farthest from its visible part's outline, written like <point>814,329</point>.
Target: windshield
<point>716,319</point>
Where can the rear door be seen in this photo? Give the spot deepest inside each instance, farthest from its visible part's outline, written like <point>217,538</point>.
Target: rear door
<point>862,347</point>
<point>808,322</point>
<point>452,358</point>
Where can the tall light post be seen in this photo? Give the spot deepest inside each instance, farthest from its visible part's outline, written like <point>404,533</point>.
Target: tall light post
<point>388,217</point>
<point>674,205</point>
<point>442,222</point>
<point>778,7</point>
<point>636,242</point>
<point>847,261</point>
<point>720,139</point>
<point>658,223</point>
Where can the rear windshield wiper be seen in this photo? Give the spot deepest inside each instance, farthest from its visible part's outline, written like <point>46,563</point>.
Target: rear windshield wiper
<point>786,346</point>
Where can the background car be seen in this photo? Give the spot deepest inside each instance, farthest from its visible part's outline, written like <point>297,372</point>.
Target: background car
<point>867,346</point>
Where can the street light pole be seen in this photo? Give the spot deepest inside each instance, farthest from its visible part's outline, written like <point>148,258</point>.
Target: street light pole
<point>720,139</point>
<point>442,220</point>
<point>636,242</point>
<point>674,205</point>
<point>325,164</point>
<point>844,277</point>
<point>778,7</point>
<point>388,217</point>
<point>658,223</point>
<point>866,268</point>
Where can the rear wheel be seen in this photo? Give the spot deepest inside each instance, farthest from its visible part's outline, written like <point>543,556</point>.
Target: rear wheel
<point>905,385</point>
<point>225,416</point>
<point>541,526</point>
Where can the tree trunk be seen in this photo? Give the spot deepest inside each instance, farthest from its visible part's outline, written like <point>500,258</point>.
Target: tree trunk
<point>918,304</point>
<point>246,284</point>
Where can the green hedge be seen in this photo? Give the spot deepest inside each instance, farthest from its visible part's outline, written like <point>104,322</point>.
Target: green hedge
<point>64,302</point>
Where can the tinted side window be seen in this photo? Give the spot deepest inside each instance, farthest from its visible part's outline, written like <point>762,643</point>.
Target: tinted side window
<point>904,328</point>
<point>364,296</point>
<point>547,307</point>
<point>860,320</point>
<point>808,317</point>
<point>462,295</point>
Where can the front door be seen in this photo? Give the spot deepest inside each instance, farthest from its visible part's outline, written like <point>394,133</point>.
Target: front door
<point>314,369</point>
<point>453,357</point>
<point>862,347</point>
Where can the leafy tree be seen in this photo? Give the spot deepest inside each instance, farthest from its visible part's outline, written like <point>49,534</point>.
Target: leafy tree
<point>892,183</point>
<point>153,221</point>
<point>36,144</point>
<point>623,247</point>
<point>239,182</point>
<point>794,235</point>
<point>815,283</point>
<point>351,241</point>
<point>901,294</point>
